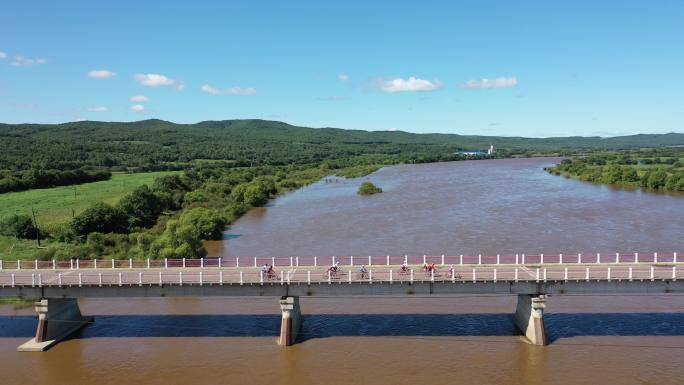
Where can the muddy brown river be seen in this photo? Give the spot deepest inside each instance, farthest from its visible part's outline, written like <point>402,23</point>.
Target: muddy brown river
<point>489,207</point>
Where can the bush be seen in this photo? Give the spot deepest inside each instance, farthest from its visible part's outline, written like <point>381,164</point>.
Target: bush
<point>207,223</point>
<point>178,241</point>
<point>654,180</point>
<point>611,174</point>
<point>171,190</point>
<point>629,175</point>
<point>142,207</point>
<point>675,182</point>
<point>101,218</point>
<point>19,226</point>
<point>368,188</point>
<point>255,193</point>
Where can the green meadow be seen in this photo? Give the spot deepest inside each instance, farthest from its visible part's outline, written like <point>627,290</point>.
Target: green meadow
<point>57,205</point>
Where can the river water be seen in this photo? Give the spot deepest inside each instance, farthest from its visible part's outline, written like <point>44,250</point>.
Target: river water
<point>489,207</point>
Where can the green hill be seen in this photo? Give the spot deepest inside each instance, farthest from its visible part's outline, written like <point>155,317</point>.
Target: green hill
<point>159,145</point>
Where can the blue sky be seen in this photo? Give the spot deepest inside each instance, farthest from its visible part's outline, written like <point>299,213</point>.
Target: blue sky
<point>528,68</point>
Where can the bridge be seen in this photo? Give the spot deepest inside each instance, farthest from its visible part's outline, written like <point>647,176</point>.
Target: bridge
<point>58,284</point>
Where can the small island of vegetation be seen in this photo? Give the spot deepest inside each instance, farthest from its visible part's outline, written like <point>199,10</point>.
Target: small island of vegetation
<point>368,188</point>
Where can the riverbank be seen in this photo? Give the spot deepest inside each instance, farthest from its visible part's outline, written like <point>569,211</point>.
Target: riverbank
<point>228,193</point>
<point>649,169</point>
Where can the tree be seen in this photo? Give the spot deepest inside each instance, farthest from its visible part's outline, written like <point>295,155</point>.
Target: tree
<point>237,196</point>
<point>19,226</point>
<point>171,190</point>
<point>368,188</point>
<point>101,218</point>
<point>208,224</point>
<point>259,191</point>
<point>178,241</point>
<point>141,206</point>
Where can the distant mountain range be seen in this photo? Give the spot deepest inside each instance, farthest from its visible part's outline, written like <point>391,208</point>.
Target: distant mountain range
<point>151,143</point>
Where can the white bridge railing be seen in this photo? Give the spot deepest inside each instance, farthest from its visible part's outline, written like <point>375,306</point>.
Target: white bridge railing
<point>316,261</point>
<point>161,277</point>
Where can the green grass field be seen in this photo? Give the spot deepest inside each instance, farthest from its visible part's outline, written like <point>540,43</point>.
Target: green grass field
<point>57,205</point>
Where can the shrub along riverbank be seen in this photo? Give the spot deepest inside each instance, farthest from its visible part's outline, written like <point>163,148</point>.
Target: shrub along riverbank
<point>650,169</point>
<point>170,218</point>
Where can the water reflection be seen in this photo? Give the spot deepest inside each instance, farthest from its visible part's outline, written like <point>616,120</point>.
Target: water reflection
<point>559,325</point>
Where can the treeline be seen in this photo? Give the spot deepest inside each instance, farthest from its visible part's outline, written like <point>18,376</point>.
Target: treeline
<point>41,178</point>
<point>652,169</point>
<point>159,145</point>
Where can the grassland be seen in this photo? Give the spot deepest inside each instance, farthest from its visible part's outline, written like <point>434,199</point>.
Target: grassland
<point>57,205</point>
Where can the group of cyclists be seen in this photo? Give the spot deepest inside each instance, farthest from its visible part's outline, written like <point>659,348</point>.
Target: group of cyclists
<point>267,271</point>
<point>334,270</point>
<point>429,269</point>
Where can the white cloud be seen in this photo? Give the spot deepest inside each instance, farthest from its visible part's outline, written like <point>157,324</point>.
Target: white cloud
<point>101,74</point>
<point>21,61</point>
<point>343,77</point>
<point>181,87</point>
<point>154,80</point>
<point>140,98</point>
<point>137,107</point>
<point>98,109</point>
<point>500,82</point>
<point>3,55</point>
<point>411,84</point>
<point>229,91</point>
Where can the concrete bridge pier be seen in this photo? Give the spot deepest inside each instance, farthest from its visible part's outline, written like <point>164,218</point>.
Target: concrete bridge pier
<point>529,317</point>
<point>291,321</point>
<point>57,319</point>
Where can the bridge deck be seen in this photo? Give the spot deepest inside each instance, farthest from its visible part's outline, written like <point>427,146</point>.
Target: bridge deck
<point>309,275</point>
<point>316,261</point>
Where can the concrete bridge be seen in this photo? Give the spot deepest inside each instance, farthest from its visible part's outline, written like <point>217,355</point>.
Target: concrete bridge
<point>58,284</point>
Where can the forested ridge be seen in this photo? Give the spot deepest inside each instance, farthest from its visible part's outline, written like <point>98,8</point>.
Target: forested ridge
<point>160,145</point>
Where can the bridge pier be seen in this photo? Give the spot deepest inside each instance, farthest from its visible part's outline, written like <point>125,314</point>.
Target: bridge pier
<point>57,319</point>
<point>291,321</point>
<point>529,317</point>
